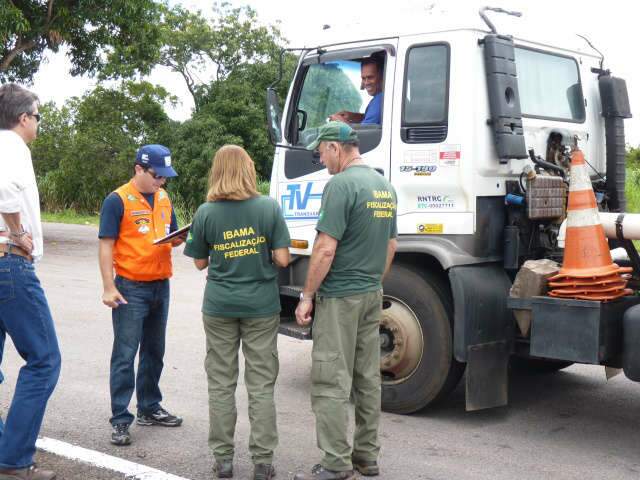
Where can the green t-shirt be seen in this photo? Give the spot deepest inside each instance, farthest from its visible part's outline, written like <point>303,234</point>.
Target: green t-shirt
<point>359,210</point>
<point>238,237</point>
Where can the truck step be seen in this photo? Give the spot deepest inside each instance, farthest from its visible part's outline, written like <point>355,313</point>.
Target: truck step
<point>291,290</point>
<point>290,328</point>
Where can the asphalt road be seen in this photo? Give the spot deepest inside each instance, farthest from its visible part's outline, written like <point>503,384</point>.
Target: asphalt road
<point>570,425</point>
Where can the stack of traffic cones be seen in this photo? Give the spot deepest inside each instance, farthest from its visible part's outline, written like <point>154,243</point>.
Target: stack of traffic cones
<point>587,269</point>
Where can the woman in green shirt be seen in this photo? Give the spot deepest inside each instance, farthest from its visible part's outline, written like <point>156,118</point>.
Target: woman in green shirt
<point>242,238</point>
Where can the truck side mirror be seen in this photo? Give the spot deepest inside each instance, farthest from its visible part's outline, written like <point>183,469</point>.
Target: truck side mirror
<point>274,117</point>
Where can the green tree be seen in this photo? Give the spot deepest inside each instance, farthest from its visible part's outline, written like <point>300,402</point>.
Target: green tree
<point>109,37</point>
<point>109,125</point>
<point>55,138</point>
<point>205,52</point>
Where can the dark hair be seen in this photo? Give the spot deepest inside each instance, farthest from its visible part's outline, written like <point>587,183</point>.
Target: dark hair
<point>372,61</point>
<point>14,101</point>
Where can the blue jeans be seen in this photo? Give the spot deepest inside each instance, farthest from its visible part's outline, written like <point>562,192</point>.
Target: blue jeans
<point>141,322</point>
<point>25,317</point>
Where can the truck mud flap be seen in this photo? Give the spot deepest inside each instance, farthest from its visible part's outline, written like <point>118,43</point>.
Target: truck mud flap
<point>631,346</point>
<point>487,376</point>
<point>483,331</point>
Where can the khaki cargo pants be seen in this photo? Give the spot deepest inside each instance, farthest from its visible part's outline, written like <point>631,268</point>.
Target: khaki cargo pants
<point>346,359</point>
<point>259,347</point>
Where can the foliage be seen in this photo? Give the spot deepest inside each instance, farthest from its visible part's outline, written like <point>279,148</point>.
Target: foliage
<point>97,155</point>
<point>633,157</point>
<point>109,37</point>
<point>85,148</point>
<point>197,48</point>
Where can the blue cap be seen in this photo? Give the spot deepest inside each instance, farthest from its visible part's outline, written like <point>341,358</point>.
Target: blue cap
<point>157,157</point>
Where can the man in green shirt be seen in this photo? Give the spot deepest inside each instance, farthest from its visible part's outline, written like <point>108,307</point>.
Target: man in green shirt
<point>353,250</point>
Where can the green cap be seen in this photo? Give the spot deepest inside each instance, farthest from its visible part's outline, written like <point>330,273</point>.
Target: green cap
<point>333,132</point>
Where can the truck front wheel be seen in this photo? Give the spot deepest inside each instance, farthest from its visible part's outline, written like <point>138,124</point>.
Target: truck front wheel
<point>416,341</point>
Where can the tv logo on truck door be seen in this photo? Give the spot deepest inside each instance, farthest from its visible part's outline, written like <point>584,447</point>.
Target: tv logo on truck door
<point>301,200</point>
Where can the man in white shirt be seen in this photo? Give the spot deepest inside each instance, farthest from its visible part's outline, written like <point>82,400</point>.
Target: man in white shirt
<point>24,311</point>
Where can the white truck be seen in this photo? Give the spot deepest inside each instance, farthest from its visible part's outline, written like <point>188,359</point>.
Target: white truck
<point>475,135</point>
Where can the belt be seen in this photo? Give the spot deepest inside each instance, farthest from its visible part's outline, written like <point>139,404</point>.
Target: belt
<point>6,249</point>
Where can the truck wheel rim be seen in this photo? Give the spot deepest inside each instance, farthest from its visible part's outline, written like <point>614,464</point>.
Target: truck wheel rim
<point>401,341</point>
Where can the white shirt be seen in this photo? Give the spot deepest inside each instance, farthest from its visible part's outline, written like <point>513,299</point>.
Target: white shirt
<point>18,188</point>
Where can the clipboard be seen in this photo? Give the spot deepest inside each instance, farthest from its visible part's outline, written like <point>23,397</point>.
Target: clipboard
<point>172,235</point>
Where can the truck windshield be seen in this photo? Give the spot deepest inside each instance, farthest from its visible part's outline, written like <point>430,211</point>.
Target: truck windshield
<point>329,88</point>
<point>549,86</point>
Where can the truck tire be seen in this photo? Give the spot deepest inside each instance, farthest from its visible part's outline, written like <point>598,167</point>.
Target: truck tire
<point>537,365</point>
<point>416,341</point>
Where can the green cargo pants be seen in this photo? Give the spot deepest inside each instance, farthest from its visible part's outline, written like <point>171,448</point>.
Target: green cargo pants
<point>346,359</point>
<point>260,349</point>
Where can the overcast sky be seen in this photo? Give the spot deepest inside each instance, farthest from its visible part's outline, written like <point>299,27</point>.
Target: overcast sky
<point>612,26</point>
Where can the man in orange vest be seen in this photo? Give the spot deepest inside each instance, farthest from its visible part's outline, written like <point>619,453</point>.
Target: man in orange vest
<point>132,217</point>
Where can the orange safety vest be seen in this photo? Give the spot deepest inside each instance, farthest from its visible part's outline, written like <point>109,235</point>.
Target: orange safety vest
<point>135,257</point>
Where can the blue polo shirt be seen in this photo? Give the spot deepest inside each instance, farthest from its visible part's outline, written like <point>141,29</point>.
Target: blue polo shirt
<point>112,211</point>
<point>373,112</point>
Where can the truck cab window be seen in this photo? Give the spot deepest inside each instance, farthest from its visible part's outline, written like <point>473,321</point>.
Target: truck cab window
<point>345,90</point>
<point>426,89</point>
<point>549,86</point>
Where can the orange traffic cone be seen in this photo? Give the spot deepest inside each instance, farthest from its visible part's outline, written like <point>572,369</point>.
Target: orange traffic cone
<point>588,271</point>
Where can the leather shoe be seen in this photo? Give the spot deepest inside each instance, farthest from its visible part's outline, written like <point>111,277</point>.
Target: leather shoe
<point>368,468</point>
<point>263,471</point>
<point>223,469</point>
<point>28,473</point>
<point>318,472</point>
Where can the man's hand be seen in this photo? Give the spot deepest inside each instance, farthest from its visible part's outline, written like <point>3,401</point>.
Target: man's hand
<point>342,116</point>
<point>303,312</point>
<point>179,240</point>
<point>112,298</point>
<point>24,241</point>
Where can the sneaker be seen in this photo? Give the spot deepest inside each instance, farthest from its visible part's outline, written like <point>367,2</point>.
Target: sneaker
<point>29,473</point>
<point>368,468</point>
<point>159,417</point>
<point>120,434</point>
<point>223,469</point>
<point>263,471</point>
<point>318,472</point>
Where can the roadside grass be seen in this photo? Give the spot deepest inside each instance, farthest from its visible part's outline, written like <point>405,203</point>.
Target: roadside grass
<point>632,190</point>
<point>70,216</point>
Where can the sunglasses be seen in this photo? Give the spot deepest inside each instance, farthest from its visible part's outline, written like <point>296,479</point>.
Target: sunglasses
<point>154,174</point>
<point>34,115</point>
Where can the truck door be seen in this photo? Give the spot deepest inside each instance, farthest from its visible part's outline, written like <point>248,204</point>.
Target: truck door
<point>426,143</point>
<point>325,84</point>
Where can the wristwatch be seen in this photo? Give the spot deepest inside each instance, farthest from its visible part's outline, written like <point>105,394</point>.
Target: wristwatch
<point>19,234</point>
<point>307,298</point>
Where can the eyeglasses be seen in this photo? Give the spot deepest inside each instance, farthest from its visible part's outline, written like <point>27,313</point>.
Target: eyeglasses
<point>34,115</point>
<point>154,174</point>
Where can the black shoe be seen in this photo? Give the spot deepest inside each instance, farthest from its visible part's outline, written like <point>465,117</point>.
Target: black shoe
<point>263,471</point>
<point>120,434</point>
<point>223,469</point>
<point>159,417</point>
<point>318,472</point>
<point>368,468</point>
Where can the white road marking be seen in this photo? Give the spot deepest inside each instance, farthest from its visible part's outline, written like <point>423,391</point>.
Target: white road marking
<point>131,470</point>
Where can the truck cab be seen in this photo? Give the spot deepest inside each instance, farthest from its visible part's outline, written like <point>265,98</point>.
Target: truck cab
<point>467,115</point>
